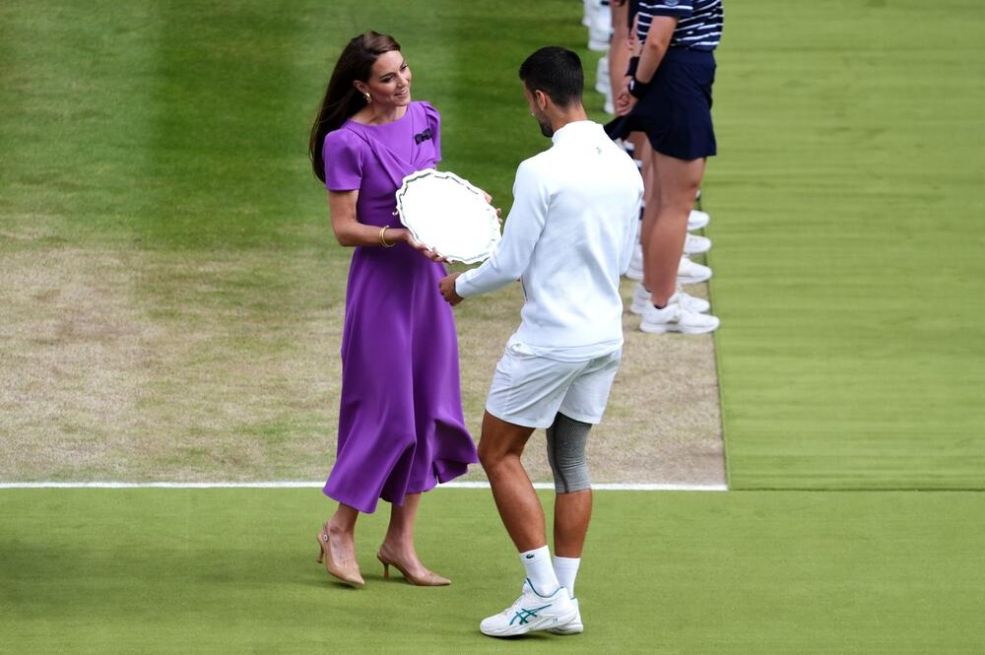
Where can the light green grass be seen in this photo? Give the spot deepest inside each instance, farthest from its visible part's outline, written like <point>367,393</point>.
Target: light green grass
<point>220,571</point>
<point>848,236</point>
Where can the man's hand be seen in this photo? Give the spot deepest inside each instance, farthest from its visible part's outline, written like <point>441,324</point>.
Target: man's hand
<point>499,212</point>
<point>447,288</point>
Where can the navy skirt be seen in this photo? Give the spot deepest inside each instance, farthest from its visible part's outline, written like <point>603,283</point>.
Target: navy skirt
<point>675,112</point>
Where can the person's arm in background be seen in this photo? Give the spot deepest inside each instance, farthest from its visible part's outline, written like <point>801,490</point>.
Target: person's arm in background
<point>651,54</point>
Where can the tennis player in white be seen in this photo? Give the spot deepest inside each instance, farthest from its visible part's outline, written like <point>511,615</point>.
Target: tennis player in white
<point>568,237</point>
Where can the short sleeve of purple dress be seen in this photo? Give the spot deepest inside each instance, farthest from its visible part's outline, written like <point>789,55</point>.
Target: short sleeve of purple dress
<point>401,428</point>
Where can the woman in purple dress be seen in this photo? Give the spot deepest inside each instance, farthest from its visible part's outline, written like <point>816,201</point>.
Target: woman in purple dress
<point>401,429</point>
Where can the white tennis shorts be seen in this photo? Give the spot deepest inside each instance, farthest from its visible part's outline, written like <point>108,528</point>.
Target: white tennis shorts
<point>530,390</point>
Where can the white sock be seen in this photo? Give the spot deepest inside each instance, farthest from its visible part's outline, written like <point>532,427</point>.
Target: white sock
<point>540,572</point>
<point>566,569</point>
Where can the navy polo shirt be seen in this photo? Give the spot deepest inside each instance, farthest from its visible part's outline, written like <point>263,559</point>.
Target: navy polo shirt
<point>699,22</point>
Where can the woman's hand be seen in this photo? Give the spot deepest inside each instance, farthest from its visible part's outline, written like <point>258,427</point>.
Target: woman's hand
<point>403,234</point>
<point>625,101</point>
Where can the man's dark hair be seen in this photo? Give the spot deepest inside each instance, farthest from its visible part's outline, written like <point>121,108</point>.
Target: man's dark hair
<point>557,72</point>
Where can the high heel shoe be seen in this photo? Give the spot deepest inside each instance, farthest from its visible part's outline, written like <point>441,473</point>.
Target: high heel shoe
<point>349,575</point>
<point>429,579</point>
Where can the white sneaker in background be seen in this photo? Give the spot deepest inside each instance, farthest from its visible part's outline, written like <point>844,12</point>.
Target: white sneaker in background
<point>697,219</point>
<point>600,28</point>
<point>602,77</point>
<point>576,627</point>
<point>692,303</point>
<point>609,107</point>
<point>532,612</point>
<point>641,301</point>
<point>674,318</point>
<point>689,272</point>
<point>586,18</point>
<point>696,245</point>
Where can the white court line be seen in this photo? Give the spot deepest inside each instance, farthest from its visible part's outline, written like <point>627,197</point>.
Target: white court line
<point>318,485</point>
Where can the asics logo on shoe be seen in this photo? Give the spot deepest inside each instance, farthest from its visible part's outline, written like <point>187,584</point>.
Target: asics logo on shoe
<point>524,615</point>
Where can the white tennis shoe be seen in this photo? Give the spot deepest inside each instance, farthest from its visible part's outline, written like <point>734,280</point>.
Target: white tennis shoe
<point>602,77</point>
<point>674,318</point>
<point>695,244</point>
<point>697,219</point>
<point>641,301</point>
<point>576,627</point>
<point>532,612</point>
<point>689,272</point>
<point>599,27</point>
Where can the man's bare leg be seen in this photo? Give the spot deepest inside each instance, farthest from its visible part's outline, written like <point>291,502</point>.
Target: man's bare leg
<point>500,448</point>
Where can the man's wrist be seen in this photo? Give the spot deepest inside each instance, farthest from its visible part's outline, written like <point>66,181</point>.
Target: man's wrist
<point>457,289</point>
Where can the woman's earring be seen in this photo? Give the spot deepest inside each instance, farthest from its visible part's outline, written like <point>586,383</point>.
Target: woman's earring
<point>369,99</point>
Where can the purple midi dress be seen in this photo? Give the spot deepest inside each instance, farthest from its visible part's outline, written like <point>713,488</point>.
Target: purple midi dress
<point>401,429</point>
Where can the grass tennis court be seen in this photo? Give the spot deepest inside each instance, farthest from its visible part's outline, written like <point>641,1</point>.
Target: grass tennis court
<point>165,571</point>
<point>848,266</point>
<point>158,226</point>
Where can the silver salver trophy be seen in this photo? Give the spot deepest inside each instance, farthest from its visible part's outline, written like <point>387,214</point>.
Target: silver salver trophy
<point>449,215</point>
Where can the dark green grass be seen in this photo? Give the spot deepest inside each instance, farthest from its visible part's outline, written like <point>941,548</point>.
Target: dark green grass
<point>185,125</point>
<point>169,571</point>
<point>847,203</point>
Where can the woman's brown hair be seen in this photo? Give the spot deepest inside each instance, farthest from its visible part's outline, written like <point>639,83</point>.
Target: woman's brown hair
<point>342,100</point>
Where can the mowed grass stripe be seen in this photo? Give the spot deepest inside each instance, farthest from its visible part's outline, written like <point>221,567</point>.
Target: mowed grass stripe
<point>847,245</point>
<point>229,137</point>
<point>75,96</point>
<point>163,571</point>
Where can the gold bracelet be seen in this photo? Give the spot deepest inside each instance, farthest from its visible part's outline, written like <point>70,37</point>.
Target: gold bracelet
<point>383,241</point>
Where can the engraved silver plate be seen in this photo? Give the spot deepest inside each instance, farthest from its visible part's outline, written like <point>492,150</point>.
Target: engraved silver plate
<point>449,215</point>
